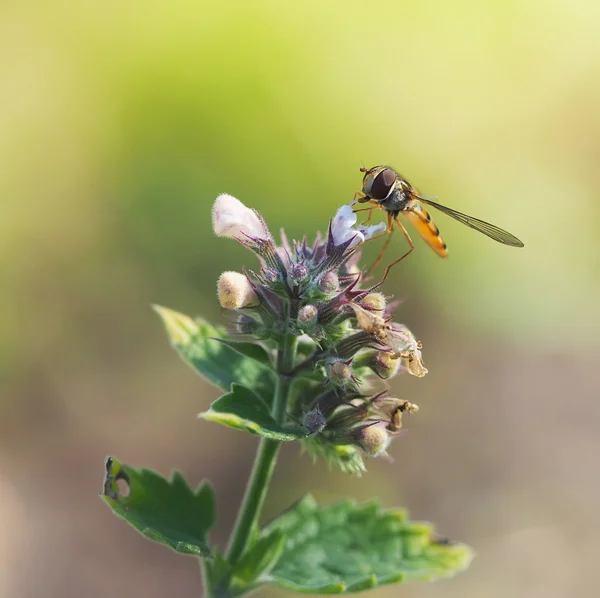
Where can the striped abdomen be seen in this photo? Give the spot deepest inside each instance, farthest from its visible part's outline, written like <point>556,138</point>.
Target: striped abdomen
<point>426,227</point>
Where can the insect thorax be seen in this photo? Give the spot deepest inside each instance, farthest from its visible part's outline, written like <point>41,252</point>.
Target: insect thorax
<point>396,202</point>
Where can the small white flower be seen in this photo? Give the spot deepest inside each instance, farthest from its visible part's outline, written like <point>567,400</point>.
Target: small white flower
<point>342,227</point>
<point>231,218</point>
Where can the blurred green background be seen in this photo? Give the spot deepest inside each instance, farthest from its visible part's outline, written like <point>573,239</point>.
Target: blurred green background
<point>119,125</point>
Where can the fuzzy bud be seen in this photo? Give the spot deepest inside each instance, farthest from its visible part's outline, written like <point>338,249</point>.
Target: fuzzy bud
<point>299,272</point>
<point>340,374</point>
<point>231,218</point>
<point>374,301</point>
<point>374,440</point>
<point>313,421</point>
<point>307,317</point>
<point>235,291</point>
<point>330,283</point>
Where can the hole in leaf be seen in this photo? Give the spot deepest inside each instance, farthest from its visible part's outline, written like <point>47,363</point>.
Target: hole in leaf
<point>123,488</point>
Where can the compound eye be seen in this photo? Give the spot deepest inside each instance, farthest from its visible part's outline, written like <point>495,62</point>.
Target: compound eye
<point>383,183</point>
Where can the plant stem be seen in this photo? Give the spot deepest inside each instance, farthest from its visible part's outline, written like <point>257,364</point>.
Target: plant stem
<point>264,463</point>
<point>207,590</point>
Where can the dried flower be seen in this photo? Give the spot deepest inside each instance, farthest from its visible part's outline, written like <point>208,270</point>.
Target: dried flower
<point>404,345</point>
<point>370,322</point>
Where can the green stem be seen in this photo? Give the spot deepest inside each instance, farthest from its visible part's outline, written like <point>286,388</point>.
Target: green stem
<point>207,590</point>
<point>264,463</point>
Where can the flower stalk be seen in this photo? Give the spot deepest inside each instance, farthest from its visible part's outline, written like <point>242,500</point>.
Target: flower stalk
<point>264,463</point>
<point>313,292</point>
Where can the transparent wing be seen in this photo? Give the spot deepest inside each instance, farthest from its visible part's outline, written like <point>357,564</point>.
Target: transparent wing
<point>486,228</point>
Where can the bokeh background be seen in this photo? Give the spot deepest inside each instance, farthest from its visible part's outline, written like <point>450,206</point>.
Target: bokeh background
<point>121,122</point>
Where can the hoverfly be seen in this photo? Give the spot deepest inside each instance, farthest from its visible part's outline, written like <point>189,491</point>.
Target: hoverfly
<point>386,189</point>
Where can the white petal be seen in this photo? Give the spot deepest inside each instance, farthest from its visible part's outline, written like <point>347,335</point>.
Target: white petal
<point>373,230</point>
<point>231,218</point>
<point>342,227</point>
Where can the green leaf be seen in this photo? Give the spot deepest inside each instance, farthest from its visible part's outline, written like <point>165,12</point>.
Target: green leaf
<point>347,547</point>
<point>248,349</point>
<point>259,559</point>
<point>244,410</point>
<point>215,361</point>
<point>166,512</point>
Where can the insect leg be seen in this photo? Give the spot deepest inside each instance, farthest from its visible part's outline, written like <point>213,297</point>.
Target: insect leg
<point>370,210</point>
<point>407,237</point>
<point>389,231</point>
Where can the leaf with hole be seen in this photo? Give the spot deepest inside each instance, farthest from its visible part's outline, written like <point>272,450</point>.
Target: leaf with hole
<point>169,513</point>
<point>216,361</point>
<point>347,547</point>
<point>242,409</point>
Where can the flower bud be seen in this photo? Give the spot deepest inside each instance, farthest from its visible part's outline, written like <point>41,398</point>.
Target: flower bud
<point>341,375</point>
<point>231,218</point>
<point>307,317</point>
<point>374,301</point>
<point>313,421</point>
<point>299,272</point>
<point>373,439</point>
<point>235,291</point>
<point>330,283</point>
<point>352,344</point>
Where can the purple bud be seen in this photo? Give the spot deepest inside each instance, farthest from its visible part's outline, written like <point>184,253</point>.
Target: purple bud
<point>313,421</point>
<point>299,272</point>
